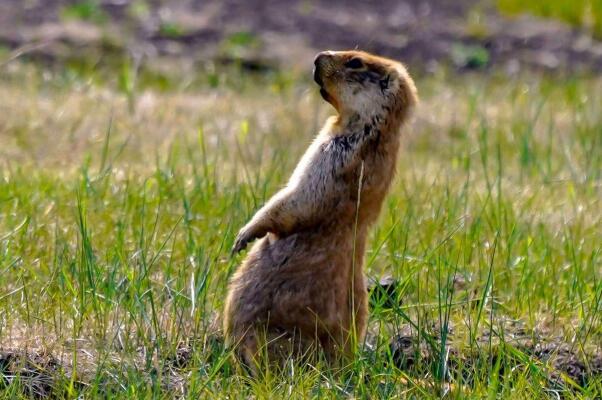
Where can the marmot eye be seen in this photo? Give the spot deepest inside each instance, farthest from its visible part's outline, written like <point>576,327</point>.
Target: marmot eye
<point>354,63</point>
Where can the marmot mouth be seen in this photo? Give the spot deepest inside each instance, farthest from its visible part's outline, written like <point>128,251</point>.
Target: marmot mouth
<point>325,94</point>
<point>317,77</point>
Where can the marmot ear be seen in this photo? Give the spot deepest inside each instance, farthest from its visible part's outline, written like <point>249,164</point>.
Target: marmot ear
<point>384,83</point>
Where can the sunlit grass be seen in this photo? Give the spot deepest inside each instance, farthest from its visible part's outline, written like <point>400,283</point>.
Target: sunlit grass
<point>580,13</point>
<point>118,209</point>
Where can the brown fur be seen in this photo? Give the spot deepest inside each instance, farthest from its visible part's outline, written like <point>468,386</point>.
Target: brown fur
<point>303,280</point>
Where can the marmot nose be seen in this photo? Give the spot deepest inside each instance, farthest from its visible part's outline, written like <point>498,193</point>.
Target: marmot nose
<point>318,65</point>
<point>321,57</point>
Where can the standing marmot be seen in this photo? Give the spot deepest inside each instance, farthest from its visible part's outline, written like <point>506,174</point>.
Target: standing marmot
<point>303,281</point>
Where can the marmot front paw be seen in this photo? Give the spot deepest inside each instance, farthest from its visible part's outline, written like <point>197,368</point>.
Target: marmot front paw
<point>245,235</point>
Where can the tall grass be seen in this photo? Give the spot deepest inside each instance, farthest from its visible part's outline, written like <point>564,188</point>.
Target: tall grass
<point>117,213</point>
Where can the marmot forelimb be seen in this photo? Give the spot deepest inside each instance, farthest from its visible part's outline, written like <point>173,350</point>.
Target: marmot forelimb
<point>303,281</point>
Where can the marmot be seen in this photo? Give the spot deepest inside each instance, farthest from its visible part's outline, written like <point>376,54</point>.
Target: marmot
<point>303,281</point>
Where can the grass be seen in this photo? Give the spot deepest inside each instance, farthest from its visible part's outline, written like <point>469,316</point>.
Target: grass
<point>87,10</point>
<point>118,209</point>
<point>580,13</point>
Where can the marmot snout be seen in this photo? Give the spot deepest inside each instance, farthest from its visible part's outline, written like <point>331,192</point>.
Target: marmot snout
<point>303,280</point>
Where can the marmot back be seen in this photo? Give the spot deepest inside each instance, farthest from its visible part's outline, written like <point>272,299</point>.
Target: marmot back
<point>302,285</point>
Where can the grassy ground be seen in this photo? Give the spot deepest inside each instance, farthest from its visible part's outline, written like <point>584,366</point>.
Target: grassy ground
<point>120,199</point>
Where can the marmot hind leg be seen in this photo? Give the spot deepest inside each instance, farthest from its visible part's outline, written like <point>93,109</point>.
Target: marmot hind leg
<point>278,349</point>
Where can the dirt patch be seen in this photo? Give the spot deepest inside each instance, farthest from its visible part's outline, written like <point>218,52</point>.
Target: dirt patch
<point>35,371</point>
<point>411,350</point>
<point>289,32</point>
<point>39,373</point>
<point>559,363</point>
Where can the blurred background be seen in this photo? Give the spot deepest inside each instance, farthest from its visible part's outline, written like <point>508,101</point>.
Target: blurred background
<point>261,35</point>
<point>197,55</point>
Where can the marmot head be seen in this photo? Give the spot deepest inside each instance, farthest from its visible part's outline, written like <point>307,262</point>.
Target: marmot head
<point>356,82</point>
